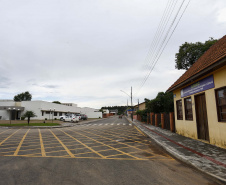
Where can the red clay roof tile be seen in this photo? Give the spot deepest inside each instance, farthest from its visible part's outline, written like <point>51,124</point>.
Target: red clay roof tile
<point>211,56</point>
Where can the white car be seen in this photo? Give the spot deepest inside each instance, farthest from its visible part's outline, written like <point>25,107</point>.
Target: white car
<point>70,118</point>
<point>79,116</point>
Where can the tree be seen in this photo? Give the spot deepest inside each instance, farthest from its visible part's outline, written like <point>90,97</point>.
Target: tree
<point>26,96</point>
<point>57,102</point>
<point>28,115</point>
<point>162,103</point>
<point>189,53</point>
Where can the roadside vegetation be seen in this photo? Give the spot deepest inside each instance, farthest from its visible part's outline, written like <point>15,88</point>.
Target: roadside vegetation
<point>162,103</point>
<point>31,124</point>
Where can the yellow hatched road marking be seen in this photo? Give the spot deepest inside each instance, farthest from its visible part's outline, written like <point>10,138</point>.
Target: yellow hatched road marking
<point>8,137</point>
<point>31,149</point>
<point>68,151</point>
<point>83,144</point>
<point>3,131</point>
<point>133,137</point>
<point>119,142</point>
<point>110,138</point>
<point>42,145</point>
<point>21,142</point>
<point>55,151</point>
<point>107,145</point>
<point>139,131</point>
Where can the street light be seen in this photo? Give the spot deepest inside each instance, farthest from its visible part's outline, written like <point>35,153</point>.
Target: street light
<point>131,101</point>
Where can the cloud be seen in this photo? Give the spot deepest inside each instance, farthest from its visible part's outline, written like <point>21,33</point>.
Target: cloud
<point>85,52</point>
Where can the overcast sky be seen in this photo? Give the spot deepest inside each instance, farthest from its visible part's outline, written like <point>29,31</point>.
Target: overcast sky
<point>85,52</point>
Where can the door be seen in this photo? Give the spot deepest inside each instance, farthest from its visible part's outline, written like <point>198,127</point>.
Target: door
<point>201,117</point>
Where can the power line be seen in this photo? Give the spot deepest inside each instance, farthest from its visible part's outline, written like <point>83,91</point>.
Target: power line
<point>164,43</point>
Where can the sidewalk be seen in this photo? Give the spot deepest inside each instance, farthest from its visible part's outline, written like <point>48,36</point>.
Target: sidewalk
<point>205,157</point>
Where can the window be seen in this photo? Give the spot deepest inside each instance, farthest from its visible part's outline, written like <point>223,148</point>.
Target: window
<point>188,109</point>
<point>179,110</point>
<point>47,112</point>
<point>221,103</point>
<point>55,113</point>
<point>42,113</point>
<point>60,113</point>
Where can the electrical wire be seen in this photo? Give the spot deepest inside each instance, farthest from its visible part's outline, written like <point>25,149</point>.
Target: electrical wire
<point>163,44</point>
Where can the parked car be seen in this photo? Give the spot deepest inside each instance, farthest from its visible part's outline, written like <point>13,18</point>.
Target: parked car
<point>79,115</point>
<point>83,117</point>
<point>71,118</point>
<point>61,118</point>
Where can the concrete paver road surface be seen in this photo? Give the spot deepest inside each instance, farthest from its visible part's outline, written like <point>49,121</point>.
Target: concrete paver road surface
<point>110,151</point>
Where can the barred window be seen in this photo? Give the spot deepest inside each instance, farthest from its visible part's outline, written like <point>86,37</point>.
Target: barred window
<point>179,110</point>
<point>188,109</point>
<point>221,103</point>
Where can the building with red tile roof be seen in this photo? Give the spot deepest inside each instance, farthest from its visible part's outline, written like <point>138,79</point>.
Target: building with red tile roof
<point>200,97</point>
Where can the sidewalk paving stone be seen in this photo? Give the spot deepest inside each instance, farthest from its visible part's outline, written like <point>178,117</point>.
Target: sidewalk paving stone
<point>206,157</point>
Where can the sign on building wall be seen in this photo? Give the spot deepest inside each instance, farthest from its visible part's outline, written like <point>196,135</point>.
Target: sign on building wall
<point>202,85</point>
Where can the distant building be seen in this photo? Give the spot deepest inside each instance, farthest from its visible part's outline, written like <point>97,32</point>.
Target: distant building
<point>14,110</point>
<point>140,106</point>
<point>114,111</point>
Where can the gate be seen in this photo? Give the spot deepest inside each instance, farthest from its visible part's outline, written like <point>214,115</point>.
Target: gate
<point>167,121</point>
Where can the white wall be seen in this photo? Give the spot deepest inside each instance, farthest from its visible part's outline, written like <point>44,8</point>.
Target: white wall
<point>4,113</point>
<point>38,106</point>
<point>94,114</point>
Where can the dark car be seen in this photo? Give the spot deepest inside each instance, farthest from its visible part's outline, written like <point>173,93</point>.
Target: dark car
<point>83,117</point>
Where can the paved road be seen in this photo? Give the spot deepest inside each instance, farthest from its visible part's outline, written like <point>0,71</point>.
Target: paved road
<point>110,151</point>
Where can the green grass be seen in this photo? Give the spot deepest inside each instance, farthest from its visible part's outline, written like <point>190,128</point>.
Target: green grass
<point>31,124</point>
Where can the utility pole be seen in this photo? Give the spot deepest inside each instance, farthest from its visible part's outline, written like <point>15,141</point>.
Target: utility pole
<point>127,108</point>
<point>132,103</point>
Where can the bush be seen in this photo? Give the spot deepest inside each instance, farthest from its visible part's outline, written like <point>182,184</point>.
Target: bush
<point>45,118</point>
<point>22,118</point>
<point>55,118</point>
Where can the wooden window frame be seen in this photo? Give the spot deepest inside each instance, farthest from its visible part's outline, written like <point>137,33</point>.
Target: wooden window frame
<point>181,109</point>
<point>185,109</point>
<point>217,104</point>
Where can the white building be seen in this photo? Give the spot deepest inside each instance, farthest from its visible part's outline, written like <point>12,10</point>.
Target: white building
<point>42,109</point>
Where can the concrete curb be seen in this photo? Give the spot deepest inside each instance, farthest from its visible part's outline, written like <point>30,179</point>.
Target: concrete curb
<point>175,154</point>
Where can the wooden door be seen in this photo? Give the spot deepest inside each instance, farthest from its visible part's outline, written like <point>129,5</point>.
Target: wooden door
<point>201,117</point>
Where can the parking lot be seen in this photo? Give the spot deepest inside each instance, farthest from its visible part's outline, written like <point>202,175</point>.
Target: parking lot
<point>81,141</point>
<point>108,151</point>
